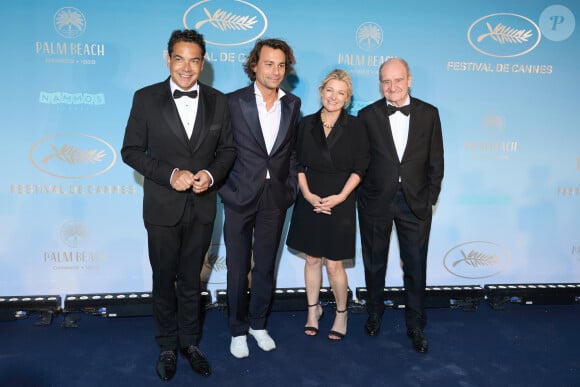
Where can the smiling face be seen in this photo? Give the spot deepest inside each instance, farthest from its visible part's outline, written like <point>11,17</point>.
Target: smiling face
<point>270,69</point>
<point>334,95</point>
<point>395,82</point>
<point>185,64</point>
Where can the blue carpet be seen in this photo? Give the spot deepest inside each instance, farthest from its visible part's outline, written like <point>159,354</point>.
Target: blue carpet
<point>523,345</point>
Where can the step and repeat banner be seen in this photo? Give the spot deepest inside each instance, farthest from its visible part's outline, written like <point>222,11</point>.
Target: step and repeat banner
<point>503,73</point>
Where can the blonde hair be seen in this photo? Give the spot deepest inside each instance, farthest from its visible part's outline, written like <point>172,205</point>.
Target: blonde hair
<point>339,75</point>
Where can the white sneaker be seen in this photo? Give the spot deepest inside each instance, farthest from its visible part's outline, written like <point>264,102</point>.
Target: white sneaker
<point>239,347</point>
<point>265,342</point>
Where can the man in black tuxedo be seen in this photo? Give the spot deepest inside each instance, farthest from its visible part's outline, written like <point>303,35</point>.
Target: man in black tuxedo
<point>179,138</point>
<point>261,186</point>
<point>402,184</point>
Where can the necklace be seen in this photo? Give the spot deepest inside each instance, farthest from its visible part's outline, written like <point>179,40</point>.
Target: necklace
<point>325,124</point>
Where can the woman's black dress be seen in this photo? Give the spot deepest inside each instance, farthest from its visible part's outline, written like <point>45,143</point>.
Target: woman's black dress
<point>327,163</point>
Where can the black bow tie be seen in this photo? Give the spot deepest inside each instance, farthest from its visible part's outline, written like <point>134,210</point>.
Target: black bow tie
<point>178,93</point>
<point>403,109</point>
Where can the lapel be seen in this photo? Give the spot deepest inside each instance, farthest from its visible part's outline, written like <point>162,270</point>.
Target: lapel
<point>205,109</point>
<point>250,112</point>
<point>170,113</point>
<point>317,133</point>
<point>206,106</point>
<point>385,136</point>
<point>325,144</point>
<point>414,128</point>
<point>287,106</point>
<point>338,130</point>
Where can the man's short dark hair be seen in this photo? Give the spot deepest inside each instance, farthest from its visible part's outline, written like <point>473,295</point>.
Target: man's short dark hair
<point>190,36</point>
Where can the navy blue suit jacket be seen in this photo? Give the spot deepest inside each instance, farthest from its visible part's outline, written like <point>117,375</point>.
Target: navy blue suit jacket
<point>246,180</point>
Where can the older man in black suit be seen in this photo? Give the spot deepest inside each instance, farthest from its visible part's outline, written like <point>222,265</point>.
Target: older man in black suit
<point>179,138</point>
<point>402,184</point>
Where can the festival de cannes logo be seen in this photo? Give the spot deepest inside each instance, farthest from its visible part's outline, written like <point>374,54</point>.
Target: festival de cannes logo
<point>72,156</point>
<point>69,22</point>
<point>73,233</point>
<point>369,36</point>
<point>477,259</point>
<point>504,35</point>
<point>230,23</point>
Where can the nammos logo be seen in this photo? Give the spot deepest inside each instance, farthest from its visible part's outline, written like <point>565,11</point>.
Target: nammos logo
<point>477,259</point>
<point>230,23</point>
<point>72,156</point>
<point>504,35</point>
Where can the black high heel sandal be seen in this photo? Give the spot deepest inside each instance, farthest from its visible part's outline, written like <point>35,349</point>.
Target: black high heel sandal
<point>338,336</point>
<point>314,330</point>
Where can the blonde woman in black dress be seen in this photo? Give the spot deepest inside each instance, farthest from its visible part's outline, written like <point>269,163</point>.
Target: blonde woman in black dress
<point>333,156</point>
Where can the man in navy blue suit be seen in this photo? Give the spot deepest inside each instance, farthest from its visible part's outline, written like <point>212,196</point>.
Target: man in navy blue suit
<point>259,189</point>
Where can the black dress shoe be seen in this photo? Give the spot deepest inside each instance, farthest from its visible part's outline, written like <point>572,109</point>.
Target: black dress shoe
<point>197,360</point>
<point>373,324</point>
<point>419,341</point>
<point>166,364</point>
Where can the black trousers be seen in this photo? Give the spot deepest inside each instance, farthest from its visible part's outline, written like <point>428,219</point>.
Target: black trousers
<point>252,236</point>
<point>176,255</point>
<point>413,236</point>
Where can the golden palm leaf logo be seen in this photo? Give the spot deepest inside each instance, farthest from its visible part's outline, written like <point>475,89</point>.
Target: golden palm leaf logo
<point>477,259</point>
<point>504,34</point>
<point>240,22</point>
<point>227,20</point>
<point>72,155</point>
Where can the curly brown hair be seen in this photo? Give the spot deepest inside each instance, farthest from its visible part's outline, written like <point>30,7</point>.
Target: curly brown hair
<point>254,56</point>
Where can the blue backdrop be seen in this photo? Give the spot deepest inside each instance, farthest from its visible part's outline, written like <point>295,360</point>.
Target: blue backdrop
<point>503,73</point>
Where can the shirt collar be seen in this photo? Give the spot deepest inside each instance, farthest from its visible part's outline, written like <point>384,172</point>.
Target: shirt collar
<point>258,93</point>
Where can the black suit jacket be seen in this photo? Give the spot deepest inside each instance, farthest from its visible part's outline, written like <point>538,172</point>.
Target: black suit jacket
<point>421,167</point>
<point>156,143</point>
<point>246,180</point>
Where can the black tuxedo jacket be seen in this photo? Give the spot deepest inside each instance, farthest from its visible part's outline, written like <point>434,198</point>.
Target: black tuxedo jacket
<point>156,143</point>
<point>246,180</point>
<point>421,167</point>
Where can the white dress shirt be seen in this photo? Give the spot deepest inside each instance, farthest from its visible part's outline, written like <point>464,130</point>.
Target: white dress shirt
<point>400,129</point>
<point>269,119</point>
<point>187,107</point>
